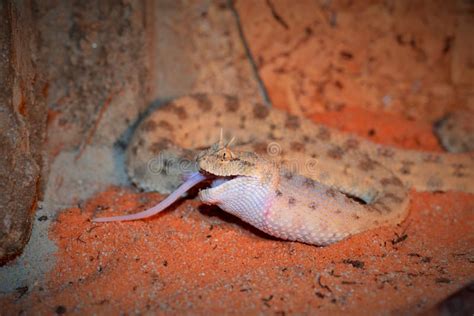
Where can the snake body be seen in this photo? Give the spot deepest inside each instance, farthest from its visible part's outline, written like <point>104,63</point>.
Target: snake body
<point>285,175</point>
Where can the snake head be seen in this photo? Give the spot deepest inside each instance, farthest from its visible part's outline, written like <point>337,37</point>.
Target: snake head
<point>220,160</point>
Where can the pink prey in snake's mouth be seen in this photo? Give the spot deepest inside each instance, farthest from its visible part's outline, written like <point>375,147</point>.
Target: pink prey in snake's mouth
<point>189,183</point>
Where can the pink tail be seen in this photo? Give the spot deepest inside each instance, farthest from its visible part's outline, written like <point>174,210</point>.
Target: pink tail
<point>190,182</point>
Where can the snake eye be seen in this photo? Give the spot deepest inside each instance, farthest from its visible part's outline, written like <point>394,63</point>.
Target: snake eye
<point>227,155</point>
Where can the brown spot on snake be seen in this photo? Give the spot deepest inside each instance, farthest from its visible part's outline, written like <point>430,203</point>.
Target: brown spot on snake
<point>288,175</point>
<point>391,181</point>
<point>260,148</point>
<point>433,158</point>
<point>149,126</point>
<point>406,167</point>
<point>297,146</point>
<point>309,183</point>
<point>313,205</point>
<point>260,111</point>
<point>160,145</point>
<point>366,164</point>
<point>458,170</point>
<point>385,152</point>
<point>351,144</point>
<point>331,192</point>
<point>292,122</point>
<point>243,119</point>
<point>176,109</point>
<point>323,134</point>
<point>203,102</point>
<point>271,136</point>
<point>393,197</point>
<point>380,205</point>
<point>165,125</point>
<point>335,152</point>
<point>232,104</point>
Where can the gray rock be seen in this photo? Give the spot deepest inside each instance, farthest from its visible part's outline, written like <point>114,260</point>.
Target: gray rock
<point>22,126</point>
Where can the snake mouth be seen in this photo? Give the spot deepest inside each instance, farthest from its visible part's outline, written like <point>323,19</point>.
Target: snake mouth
<point>215,180</point>
<point>220,180</point>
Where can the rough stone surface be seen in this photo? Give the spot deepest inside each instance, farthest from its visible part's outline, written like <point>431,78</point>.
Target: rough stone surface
<point>412,58</point>
<point>94,53</point>
<point>22,126</point>
<point>198,48</point>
